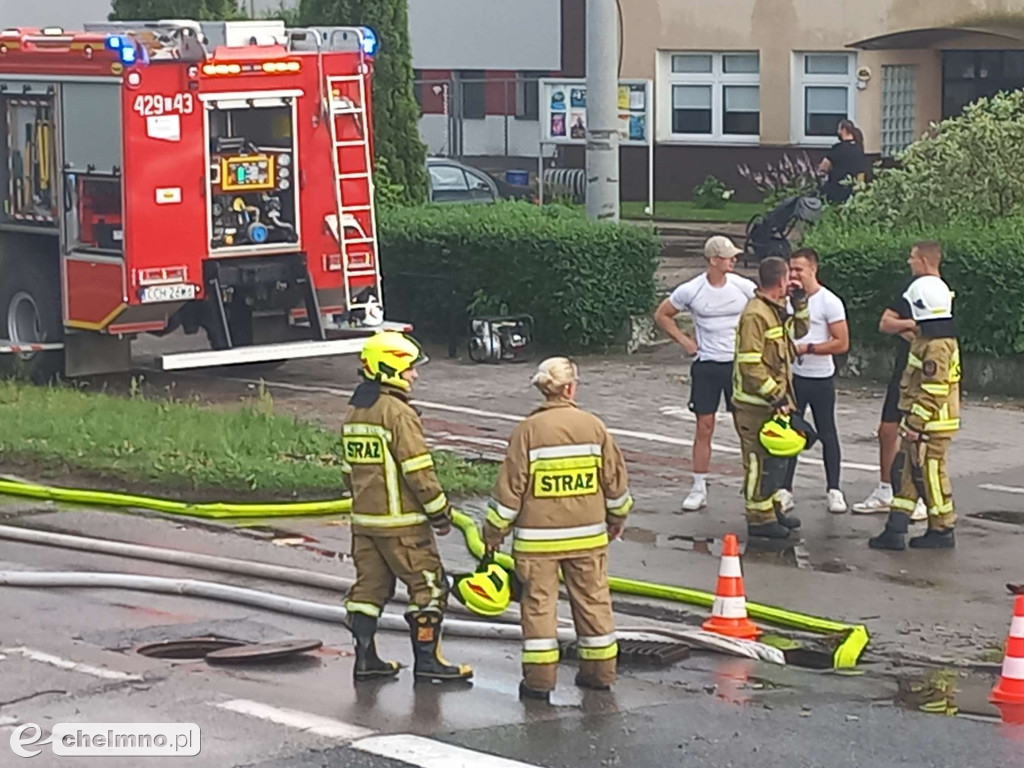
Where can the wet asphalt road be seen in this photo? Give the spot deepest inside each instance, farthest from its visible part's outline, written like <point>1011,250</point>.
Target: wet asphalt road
<point>706,711</point>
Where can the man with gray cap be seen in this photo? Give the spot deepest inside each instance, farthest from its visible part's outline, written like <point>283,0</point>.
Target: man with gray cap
<point>715,300</point>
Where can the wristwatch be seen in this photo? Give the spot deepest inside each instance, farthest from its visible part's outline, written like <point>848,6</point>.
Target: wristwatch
<point>810,349</point>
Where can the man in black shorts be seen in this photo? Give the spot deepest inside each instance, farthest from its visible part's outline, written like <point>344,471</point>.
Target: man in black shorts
<point>715,300</point>
<point>925,259</point>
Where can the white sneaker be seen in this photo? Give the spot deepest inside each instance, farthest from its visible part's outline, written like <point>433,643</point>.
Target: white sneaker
<point>875,504</point>
<point>698,499</point>
<point>786,501</point>
<point>920,512</point>
<point>837,502</point>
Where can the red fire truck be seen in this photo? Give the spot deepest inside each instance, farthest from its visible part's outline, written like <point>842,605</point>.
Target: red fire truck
<point>153,183</point>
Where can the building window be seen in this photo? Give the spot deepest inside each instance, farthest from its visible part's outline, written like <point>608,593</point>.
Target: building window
<point>528,95</point>
<point>824,92</point>
<point>715,96</point>
<point>899,85</point>
<point>474,93</point>
<point>969,75</point>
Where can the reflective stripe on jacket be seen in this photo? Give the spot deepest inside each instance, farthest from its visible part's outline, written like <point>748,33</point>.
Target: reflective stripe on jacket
<point>563,480</point>
<point>762,373</point>
<point>389,469</point>
<point>930,386</point>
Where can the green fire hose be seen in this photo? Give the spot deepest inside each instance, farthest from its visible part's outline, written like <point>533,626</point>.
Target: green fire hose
<point>846,655</point>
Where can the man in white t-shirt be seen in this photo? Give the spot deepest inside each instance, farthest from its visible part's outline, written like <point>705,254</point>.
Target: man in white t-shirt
<point>814,373</point>
<point>715,300</point>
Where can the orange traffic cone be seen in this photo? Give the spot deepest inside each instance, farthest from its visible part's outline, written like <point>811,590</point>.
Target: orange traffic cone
<point>1010,688</point>
<point>729,613</point>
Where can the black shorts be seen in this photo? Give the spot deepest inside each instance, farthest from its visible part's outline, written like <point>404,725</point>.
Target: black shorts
<point>708,382</point>
<point>891,413</point>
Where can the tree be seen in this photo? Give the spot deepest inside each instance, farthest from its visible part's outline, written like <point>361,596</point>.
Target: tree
<point>395,111</point>
<point>200,10</point>
<point>967,168</point>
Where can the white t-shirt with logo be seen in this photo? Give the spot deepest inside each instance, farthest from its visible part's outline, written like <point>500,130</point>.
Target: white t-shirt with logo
<point>825,308</point>
<point>716,313</point>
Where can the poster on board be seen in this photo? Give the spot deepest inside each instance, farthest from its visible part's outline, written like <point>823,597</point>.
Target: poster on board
<point>564,104</point>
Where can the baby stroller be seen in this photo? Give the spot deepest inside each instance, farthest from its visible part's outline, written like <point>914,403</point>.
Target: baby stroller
<point>768,233</point>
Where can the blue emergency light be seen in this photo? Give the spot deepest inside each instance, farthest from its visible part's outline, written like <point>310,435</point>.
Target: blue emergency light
<point>370,42</point>
<point>124,47</point>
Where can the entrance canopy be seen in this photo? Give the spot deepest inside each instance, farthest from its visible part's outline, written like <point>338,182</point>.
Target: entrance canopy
<point>936,37</point>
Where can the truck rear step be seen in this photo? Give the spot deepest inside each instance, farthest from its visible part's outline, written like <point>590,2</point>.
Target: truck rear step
<point>260,353</point>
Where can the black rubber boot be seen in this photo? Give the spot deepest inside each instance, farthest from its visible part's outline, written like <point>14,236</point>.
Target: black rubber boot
<point>789,521</point>
<point>934,539</point>
<point>526,692</point>
<point>582,682</point>
<point>425,627</point>
<point>774,530</point>
<point>892,537</point>
<point>368,664</point>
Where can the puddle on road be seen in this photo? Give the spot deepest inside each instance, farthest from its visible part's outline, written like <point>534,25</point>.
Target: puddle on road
<point>789,553</point>
<point>949,693</point>
<point>1000,516</point>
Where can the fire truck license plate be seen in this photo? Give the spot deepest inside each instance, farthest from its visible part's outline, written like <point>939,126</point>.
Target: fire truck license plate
<point>156,293</point>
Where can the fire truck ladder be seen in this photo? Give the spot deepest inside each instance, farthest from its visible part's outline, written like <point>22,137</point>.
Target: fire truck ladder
<point>346,226</point>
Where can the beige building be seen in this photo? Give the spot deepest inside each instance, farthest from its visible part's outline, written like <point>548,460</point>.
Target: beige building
<point>742,81</point>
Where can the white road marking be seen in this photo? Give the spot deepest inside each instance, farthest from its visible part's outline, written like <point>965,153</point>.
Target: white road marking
<point>491,442</point>
<point>72,666</point>
<point>414,750</point>
<point>303,721</point>
<point>427,753</point>
<point>646,436</point>
<point>1002,488</point>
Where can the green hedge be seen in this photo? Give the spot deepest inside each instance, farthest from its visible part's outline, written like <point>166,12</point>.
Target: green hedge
<point>578,279</point>
<point>983,264</point>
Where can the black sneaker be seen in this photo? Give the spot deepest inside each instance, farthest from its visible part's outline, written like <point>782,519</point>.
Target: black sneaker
<point>774,530</point>
<point>935,540</point>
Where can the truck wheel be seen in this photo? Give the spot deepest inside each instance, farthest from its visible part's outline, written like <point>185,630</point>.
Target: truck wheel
<point>30,314</point>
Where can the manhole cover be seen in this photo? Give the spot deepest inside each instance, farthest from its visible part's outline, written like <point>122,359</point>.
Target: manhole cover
<point>1000,516</point>
<point>251,654</point>
<point>185,650</point>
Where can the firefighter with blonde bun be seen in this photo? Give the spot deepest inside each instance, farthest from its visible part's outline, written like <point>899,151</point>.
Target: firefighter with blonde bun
<point>397,507</point>
<point>563,489</point>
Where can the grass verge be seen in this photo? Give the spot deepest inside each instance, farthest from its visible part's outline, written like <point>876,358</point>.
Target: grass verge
<point>181,449</point>
<point>685,210</point>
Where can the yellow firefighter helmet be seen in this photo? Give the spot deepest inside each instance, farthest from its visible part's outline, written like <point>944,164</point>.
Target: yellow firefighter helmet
<point>781,439</point>
<point>389,354</point>
<point>487,591</point>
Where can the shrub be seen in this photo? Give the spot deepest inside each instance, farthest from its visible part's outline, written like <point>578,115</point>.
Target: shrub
<point>983,264</point>
<point>712,193</point>
<point>580,280</point>
<point>968,169</point>
<point>787,178</point>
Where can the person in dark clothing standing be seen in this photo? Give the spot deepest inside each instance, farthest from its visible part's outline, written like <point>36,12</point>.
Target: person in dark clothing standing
<point>846,160</point>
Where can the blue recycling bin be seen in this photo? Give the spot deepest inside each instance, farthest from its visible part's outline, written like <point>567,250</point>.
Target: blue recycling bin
<point>518,178</point>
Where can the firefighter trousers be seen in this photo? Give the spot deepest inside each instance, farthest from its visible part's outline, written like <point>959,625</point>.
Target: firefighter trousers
<point>763,475</point>
<point>411,557</point>
<point>919,471</point>
<point>586,580</point>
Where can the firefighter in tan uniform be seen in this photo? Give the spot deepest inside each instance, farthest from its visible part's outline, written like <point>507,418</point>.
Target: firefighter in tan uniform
<point>930,402</point>
<point>563,487</point>
<point>762,387</point>
<point>397,505</point>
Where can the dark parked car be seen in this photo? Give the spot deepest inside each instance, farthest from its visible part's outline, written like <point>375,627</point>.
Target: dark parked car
<point>455,182</point>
